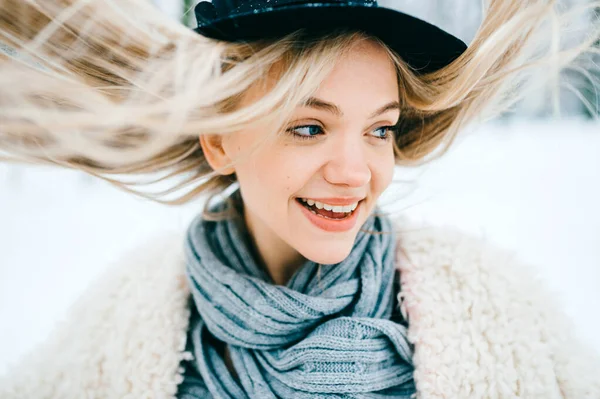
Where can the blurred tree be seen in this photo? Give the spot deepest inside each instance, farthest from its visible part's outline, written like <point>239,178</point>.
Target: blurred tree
<point>188,17</point>
<point>591,91</point>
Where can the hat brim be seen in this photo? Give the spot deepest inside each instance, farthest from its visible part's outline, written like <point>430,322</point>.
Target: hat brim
<point>425,47</point>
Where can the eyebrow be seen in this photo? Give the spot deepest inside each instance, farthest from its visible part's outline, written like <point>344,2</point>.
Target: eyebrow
<point>317,103</point>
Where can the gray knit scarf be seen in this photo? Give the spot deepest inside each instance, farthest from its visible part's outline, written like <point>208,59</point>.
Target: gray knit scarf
<point>320,336</point>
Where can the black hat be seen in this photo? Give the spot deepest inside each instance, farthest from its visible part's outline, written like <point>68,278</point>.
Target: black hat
<point>425,47</point>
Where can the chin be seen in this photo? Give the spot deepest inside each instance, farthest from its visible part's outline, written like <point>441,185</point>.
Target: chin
<point>328,255</point>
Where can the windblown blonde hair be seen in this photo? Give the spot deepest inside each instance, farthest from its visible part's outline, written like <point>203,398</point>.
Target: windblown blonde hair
<point>117,90</point>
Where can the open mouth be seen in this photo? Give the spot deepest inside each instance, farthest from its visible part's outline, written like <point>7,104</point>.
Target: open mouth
<point>328,214</point>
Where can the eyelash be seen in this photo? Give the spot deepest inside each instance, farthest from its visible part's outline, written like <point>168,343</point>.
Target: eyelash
<point>392,129</point>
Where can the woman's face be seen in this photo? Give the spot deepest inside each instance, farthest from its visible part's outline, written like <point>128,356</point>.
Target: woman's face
<point>346,157</point>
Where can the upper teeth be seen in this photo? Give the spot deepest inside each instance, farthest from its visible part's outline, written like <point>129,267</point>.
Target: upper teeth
<point>334,208</point>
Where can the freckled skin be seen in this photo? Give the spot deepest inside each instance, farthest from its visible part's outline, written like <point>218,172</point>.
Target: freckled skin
<point>346,159</point>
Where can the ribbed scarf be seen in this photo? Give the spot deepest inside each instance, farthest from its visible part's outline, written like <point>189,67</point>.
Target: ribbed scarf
<point>327,335</point>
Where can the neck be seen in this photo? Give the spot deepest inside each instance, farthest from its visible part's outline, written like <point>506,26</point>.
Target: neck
<point>274,255</point>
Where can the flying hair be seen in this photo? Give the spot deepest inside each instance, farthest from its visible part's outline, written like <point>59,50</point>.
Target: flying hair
<point>121,92</point>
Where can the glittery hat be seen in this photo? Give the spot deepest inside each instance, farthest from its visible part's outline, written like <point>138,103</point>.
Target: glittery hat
<point>424,46</point>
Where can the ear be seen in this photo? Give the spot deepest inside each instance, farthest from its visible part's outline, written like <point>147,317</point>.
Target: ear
<point>212,147</point>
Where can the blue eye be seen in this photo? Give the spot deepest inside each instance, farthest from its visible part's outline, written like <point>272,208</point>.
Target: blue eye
<point>311,131</point>
<point>388,131</point>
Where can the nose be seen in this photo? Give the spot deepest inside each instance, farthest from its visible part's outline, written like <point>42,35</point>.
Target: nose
<point>348,164</point>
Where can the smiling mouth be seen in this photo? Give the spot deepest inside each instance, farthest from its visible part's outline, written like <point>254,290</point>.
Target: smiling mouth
<point>324,213</point>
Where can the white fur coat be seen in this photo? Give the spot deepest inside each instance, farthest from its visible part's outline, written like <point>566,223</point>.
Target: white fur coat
<point>482,326</point>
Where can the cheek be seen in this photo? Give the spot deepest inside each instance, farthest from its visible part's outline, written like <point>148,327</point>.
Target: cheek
<point>383,172</point>
<point>276,174</point>
<point>286,171</point>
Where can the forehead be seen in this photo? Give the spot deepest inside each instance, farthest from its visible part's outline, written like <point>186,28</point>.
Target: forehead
<point>365,72</point>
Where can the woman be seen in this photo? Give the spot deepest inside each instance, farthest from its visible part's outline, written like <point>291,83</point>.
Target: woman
<point>294,283</point>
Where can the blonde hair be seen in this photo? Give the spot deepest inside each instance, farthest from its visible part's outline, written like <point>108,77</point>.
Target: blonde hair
<point>116,89</point>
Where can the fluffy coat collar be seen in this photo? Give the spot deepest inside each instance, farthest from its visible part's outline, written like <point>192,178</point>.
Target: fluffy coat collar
<point>483,327</point>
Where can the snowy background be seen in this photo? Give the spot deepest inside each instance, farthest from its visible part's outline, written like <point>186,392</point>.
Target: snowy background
<point>532,187</point>
<point>527,183</point>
